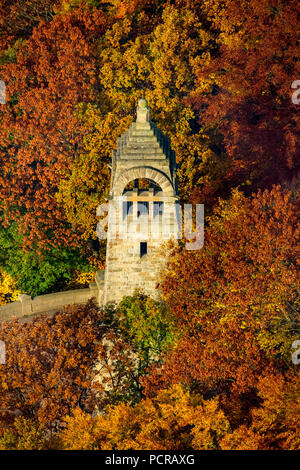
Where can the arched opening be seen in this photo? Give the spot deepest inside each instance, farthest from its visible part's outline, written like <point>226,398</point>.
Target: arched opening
<point>142,198</point>
<point>144,174</point>
<point>142,184</point>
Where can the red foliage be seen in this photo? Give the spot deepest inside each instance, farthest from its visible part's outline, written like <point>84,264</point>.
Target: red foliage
<point>40,133</point>
<point>235,301</point>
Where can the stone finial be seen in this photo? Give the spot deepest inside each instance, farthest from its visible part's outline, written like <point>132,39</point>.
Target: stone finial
<point>26,302</point>
<point>24,298</point>
<point>142,111</point>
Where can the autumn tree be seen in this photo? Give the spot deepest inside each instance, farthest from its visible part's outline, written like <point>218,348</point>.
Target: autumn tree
<point>24,434</point>
<point>83,357</point>
<point>247,93</point>
<point>157,59</point>
<point>40,136</point>
<point>236,301</point>
<point>173,420</point>
<point>50,364</point>
<point>8,289</point>
<point>36,273</point>
<point>274,424</point>
<point>40,132</point>
<point>18,19</point>
<point>217,76</point>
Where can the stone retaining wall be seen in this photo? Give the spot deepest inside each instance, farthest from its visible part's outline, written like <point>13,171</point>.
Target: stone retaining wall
<point>26,306</point>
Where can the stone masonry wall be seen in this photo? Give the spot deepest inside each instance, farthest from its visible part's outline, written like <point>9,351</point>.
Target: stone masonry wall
<point>49,303</point>
<point>143,153</point>
<point>126,271</point>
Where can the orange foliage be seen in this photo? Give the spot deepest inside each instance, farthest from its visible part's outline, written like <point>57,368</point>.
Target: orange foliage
<point>236,301</point>
<point>217,75</point>
<point>40,133</point>
<point>275,424</point>
<point>171,421</point>
<point>251,78</point>
<point>52,363</point>
<point>18,18</point>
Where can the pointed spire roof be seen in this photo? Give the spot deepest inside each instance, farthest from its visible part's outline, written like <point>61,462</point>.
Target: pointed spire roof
<point>143,140</point>
<point>143,147</point>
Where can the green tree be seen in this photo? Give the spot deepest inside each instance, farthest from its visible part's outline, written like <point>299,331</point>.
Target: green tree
<point>38,271</point>
<point>147,325</point>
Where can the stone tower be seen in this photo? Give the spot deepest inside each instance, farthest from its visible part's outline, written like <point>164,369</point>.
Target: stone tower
<point>142,209</point>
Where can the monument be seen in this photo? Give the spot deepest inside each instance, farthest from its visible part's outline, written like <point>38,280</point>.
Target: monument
<point>143,215</point>
<point>142,209</point>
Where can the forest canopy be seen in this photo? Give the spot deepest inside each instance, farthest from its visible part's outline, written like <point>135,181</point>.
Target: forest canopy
<point>217,76</point>
<point>209,366</point>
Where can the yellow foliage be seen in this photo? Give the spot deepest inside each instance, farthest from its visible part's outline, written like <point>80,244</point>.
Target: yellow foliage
<point>24,435</point>
<point>174,419</point>
<point>79,431</point>
<point>83,279</point>
<point>8,290</point>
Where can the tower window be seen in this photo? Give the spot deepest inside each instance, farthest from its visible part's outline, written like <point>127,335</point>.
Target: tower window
<point>143,208</point>
<point>158,208</point>
<point>127,208</point>
<point>143,248</point>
